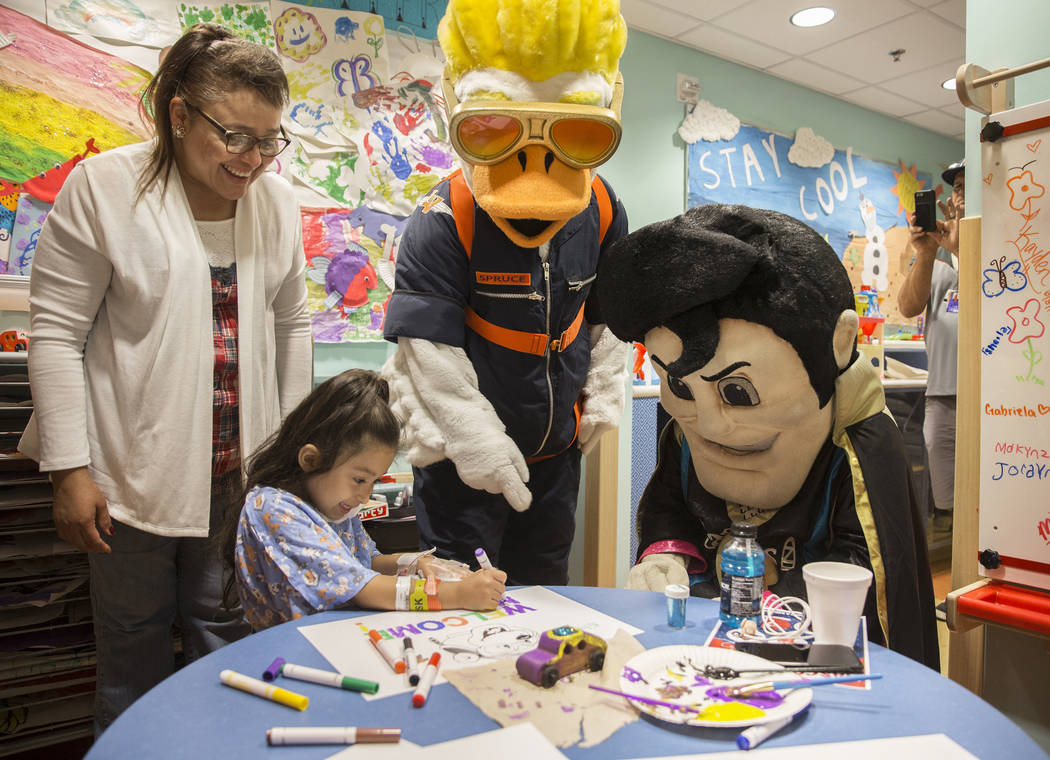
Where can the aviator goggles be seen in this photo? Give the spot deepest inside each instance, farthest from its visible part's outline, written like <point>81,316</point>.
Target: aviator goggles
<point>487,131</point>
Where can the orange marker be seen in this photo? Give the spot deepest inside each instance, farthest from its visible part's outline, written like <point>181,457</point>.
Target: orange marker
<point>388,649</point>
<point>419,696</point>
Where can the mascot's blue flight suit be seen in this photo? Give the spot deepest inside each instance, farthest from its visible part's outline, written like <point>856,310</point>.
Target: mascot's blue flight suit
<point>523,324</point>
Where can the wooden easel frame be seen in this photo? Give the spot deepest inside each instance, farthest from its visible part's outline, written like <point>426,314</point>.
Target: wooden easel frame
<point>985,92</point>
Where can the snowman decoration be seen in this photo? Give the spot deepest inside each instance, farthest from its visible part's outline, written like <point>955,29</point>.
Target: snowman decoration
<point>875,255</point>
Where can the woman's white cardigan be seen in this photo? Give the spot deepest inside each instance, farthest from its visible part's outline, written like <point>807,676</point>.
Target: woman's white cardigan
<point>122,356</point>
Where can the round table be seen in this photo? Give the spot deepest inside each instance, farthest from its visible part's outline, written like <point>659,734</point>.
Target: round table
<point>191,714</point>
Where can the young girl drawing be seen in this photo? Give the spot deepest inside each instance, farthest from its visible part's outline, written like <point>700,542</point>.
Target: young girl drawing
<point>299,545</point>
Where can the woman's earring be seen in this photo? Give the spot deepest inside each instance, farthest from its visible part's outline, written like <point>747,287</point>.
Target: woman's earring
<point>179,131</point>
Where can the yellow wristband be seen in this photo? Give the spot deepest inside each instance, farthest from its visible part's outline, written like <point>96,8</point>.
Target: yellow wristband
<point>418,601</point>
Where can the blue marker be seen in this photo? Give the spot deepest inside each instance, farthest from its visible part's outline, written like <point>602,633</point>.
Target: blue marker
<point>751,737</point>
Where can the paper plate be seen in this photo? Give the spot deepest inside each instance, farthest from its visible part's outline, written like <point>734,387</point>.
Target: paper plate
<point>675,674</point>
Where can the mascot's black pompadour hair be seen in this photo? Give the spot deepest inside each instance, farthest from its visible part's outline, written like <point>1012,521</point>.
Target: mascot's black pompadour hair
<point>727,262</point>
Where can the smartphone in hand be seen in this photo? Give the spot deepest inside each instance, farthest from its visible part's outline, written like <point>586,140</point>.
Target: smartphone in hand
<point>926,210</point>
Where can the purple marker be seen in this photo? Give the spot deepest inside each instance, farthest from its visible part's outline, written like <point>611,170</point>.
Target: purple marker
<point>483,559</point>
<point>274,670</point>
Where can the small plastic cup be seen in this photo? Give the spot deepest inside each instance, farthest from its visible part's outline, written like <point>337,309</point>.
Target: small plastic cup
<point>836,592</point>
<point>676,595</point>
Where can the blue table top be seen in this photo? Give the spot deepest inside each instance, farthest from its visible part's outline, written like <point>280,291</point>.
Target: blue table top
<point>192,715</point>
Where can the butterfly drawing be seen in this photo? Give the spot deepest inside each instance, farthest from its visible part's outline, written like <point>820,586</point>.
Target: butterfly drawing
<point>1003,276</point>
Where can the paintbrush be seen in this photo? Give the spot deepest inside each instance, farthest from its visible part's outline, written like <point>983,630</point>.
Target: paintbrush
<point>646,700</point>
<point>747,689</point>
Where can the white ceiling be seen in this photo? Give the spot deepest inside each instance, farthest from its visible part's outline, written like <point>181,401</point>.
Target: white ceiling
<point>848,58</point>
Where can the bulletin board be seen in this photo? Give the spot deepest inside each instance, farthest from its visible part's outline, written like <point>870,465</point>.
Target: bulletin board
<point>858,205</point>
<point>1015,310</point>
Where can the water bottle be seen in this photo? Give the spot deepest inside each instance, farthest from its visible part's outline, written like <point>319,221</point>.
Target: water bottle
<point>743,576</point>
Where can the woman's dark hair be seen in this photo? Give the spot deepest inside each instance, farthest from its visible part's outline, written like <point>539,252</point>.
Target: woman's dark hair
<point>203,65</point>
<point>341,417</point>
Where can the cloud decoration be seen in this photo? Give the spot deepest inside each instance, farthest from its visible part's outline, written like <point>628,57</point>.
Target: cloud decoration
<point>709,122</point>
<point>810,150</point>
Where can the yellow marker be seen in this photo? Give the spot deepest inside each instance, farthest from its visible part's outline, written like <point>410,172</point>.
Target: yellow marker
<point>263,689</point>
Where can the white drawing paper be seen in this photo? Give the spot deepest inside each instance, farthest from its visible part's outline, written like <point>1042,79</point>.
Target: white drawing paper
<point>464,638</point>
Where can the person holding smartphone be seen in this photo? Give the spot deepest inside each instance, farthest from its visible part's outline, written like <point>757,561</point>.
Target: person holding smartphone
<point>932,285</point>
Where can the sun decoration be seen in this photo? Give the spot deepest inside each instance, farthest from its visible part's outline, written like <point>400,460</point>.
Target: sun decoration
<point>907,183</point>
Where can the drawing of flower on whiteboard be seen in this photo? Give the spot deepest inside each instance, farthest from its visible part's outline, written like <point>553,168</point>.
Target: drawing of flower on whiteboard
<point>1023,190</point>
<point>1026,321</point>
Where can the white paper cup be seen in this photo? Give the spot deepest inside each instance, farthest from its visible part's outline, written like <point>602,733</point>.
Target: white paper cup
<point>836,592</point>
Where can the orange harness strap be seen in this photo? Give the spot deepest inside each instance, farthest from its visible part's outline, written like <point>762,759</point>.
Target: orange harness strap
<point>576,432</point>
<point>517,340</point>
<point>462,209</point>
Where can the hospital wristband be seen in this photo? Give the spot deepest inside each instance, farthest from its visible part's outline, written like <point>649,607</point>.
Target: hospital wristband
<point>418,601</point>
<point>430,588</point>
<point>402,589</point>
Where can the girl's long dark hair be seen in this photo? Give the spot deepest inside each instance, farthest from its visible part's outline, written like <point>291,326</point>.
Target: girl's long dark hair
<point>342,416</point>
<point>205,63</point>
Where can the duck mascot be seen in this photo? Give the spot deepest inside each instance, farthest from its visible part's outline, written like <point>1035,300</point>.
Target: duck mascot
<point>748,317</point>
<point>502,375</point>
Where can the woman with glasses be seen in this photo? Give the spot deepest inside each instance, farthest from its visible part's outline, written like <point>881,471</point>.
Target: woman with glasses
<point>169,337</point>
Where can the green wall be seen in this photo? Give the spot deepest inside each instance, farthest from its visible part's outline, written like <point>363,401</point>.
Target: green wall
<point>648,170</point>
<point>1016,665</point>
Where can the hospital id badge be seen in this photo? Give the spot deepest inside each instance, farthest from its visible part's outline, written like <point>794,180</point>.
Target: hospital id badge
<point>951,302</point>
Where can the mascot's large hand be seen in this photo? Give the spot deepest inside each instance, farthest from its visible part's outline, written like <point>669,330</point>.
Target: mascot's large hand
<point>603,392</point>
<point>656,571</point>
<point>453,420</point>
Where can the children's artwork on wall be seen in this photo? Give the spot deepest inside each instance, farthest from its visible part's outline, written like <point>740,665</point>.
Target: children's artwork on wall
<point>57,95</point>
<point>248,20</point>
<point>150,23</point>
<point>857,204</point>
<point>402,143</point>
<point>29,218</point>
<point>329,54</point>
<point>350,256</point>
<point>463,638</point>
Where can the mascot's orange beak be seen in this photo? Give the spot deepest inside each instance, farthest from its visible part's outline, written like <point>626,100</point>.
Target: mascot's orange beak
<point>531,194</point>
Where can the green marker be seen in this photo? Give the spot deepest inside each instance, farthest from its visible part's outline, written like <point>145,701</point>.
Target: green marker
<point>328,678</point>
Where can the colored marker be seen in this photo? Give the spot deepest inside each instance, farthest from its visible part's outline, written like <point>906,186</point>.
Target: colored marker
<point>328,678</point>
<point>412,661</point>
<point>264,690</point>
<point>483,559</point>
<point>331,735</point>
<point>387,648</point>
<point>751,737</point>
<point>419,696</point>
<point>274,670</point>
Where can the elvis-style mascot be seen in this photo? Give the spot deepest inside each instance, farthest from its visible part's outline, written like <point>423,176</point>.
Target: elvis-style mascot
<point>749,320</point>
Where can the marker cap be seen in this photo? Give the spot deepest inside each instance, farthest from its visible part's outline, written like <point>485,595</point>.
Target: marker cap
<point>274,670</point>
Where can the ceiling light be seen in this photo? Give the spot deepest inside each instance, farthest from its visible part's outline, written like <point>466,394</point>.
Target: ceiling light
<point>949,83</point>
<point>817,16</point>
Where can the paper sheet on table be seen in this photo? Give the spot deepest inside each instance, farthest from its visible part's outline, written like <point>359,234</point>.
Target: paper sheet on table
<point>521,742</point>
<point>564,709</point>
<point>464,638</point>
<point>920,747</point>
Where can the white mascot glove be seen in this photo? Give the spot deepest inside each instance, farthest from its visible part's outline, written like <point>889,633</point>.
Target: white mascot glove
<point>603,391</point>
<point>434,390</point>
<point>656,571</point>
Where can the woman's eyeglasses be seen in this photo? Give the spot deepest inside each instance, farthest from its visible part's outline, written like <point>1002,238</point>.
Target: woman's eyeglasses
<point>242,142</point>
<point>487,131</point>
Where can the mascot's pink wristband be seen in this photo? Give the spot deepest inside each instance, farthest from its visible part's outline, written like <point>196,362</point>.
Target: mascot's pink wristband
<point>697,564</point>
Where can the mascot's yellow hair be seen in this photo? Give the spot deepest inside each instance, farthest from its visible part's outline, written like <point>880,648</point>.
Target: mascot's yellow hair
<point>535,38</point>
